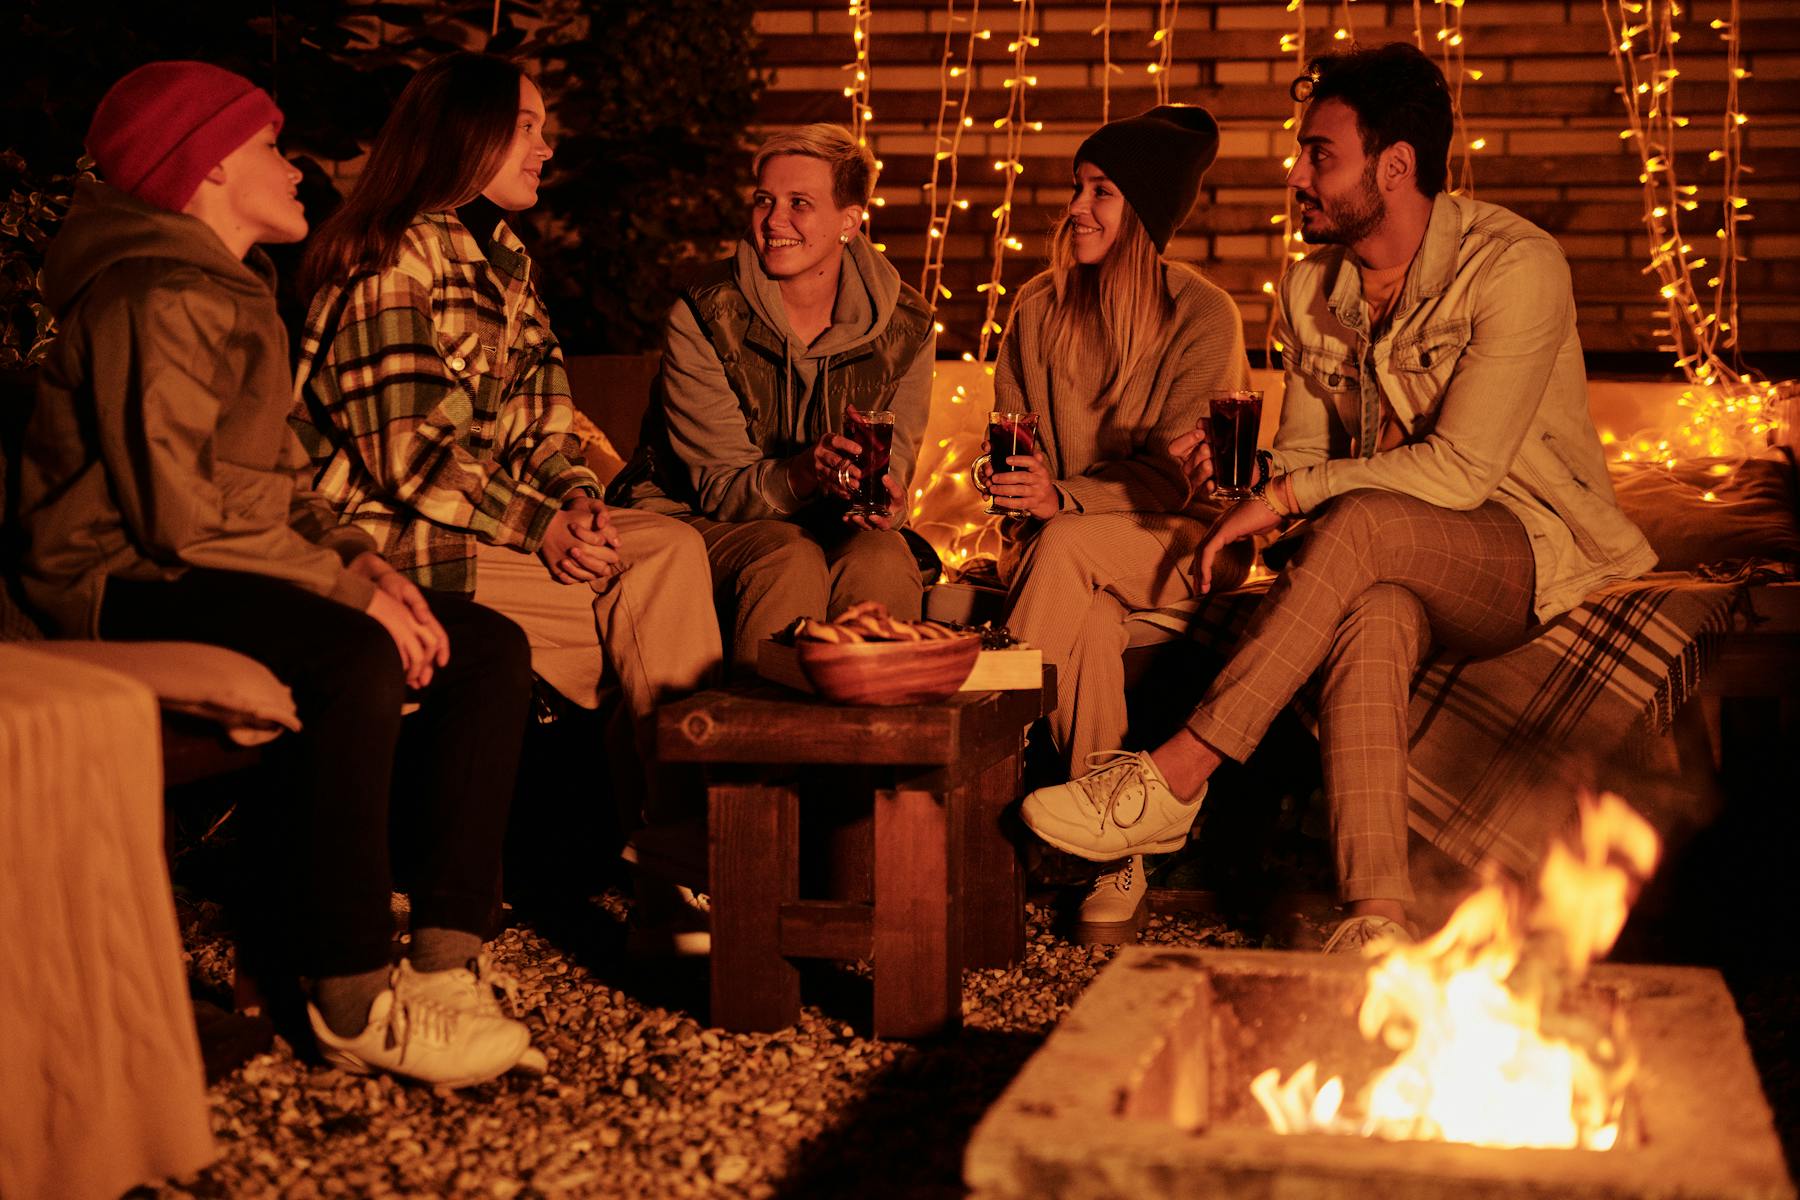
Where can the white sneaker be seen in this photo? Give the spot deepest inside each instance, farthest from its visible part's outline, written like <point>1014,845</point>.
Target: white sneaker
<point>1122,806</point>
<point>424,1040</point>
<point>668,920</point>
<point>1117,907</point>
<point>481,989</point>
<point>1368,935</point>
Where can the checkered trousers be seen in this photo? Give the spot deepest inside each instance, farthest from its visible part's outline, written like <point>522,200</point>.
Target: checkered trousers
<point>1380,578</point>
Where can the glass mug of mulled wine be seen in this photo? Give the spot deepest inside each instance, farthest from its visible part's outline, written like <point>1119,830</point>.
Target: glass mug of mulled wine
<point>1008,433</point>
<point>873,433</point>
<point>1231,428</point>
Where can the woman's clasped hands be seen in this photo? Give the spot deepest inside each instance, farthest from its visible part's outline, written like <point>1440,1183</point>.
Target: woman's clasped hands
<point>581,545</point>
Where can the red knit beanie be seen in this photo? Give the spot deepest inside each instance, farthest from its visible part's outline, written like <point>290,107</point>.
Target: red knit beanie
<point>159,130</point>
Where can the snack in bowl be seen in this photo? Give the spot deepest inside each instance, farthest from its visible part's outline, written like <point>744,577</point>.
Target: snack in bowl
<point>869,657</point>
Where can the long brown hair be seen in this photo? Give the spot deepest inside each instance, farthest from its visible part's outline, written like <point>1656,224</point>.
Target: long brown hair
<point>1113,311</point>
<point>447,136</point>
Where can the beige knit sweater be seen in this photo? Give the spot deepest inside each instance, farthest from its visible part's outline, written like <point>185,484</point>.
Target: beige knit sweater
<point>1116,459</point>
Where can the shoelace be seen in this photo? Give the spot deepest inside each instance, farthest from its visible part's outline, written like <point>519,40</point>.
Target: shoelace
<point>1118,877</point>
<point>1115,771</point>
<point>424,1019</point>
<point>1358,932</point>
<point>490,979</point>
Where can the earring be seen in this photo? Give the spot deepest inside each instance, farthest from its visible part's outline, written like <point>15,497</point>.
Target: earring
<point>843,239</point>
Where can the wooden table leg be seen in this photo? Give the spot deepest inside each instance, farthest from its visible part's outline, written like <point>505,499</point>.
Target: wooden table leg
<point>993,883</point>
<point>917,943</point>
<point>754,852</point>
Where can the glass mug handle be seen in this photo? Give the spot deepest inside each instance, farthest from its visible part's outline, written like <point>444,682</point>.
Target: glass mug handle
<point>983,460</point>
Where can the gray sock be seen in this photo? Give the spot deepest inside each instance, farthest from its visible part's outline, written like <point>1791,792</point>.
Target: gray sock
<point>344,1000</point>
<point>443,949</point>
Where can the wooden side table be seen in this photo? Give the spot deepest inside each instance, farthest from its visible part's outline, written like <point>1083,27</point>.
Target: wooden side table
<point>948,887</point>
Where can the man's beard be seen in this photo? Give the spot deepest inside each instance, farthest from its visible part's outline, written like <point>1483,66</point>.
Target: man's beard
<point>1355,218</point>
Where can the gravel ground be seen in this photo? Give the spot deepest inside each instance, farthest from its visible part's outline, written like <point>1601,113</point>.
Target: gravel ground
<point>642,1099</point>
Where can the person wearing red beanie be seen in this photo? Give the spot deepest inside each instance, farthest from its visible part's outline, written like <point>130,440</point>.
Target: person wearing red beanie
<point>159,503</point>
<point>160,129</point>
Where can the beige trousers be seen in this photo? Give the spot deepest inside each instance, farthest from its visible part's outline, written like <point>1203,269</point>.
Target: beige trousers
<point>1072,586</point>
<point>650,631</point>
<point>766,573</point>
<point>1379,579</point>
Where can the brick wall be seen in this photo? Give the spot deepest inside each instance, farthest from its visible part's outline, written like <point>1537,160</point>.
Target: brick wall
<point>1544,104</point>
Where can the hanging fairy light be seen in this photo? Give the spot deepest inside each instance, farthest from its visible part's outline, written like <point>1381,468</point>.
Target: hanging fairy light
<point>1728,411</point>
<point>1291,43</point>
<point>859,91</point>
<point>1167,13</point>
<point>1108,68</point>
<point>1010,168</point>
<point>947,150</point>
<point>1451,47</point>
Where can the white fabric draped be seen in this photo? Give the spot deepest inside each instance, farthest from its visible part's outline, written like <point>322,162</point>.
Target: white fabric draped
<point>100,1077</point>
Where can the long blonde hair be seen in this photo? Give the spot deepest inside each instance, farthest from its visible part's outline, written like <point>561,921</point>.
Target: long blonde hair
<point>1115,310</point>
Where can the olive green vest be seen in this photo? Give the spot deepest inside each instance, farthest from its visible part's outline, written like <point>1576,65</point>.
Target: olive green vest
<point>752,356</point>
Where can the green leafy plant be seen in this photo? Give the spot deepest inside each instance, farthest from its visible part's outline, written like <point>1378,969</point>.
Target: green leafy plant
<point>650,105</point>
<point>32,209</point>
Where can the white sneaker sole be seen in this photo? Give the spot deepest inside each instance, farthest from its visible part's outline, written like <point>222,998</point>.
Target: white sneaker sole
<point>1113,933</point>
<point>1168,845</point>
<point>345,1061</point>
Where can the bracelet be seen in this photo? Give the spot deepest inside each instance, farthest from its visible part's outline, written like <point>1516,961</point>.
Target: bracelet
<point>1261,492</point>
<point>1265,467</point>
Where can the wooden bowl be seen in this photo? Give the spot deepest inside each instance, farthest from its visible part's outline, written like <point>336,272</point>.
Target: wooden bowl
<point>888,673</point>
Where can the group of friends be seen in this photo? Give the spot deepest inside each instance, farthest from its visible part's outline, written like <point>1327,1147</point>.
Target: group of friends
<point>407,517</point>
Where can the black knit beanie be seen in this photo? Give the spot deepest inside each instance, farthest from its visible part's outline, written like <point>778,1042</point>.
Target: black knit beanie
<point>1156,159</point>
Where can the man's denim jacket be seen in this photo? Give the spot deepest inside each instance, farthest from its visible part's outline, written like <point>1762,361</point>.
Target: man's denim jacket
<point>1482,366</point>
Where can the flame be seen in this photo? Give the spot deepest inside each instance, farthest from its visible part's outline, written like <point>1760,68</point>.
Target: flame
<point>1487,1051</point>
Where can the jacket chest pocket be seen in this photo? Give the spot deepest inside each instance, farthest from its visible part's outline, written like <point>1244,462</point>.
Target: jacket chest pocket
<point>1422,363</point>
<point>1331,369</point>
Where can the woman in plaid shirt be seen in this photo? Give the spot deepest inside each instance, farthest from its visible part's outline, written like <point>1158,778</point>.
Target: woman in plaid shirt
<point>433,398</point>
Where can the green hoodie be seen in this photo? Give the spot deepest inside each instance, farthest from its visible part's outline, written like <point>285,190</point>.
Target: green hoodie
<point>159,440</point>
<point>733,475</point>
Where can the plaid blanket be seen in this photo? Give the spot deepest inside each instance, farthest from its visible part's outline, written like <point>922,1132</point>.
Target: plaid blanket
<point>1491,738</point>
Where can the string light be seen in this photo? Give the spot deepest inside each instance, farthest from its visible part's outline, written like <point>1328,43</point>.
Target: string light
<point>1010,168</point>
<point>1167,13</point>
<point>1728,410</point>
<point>947,154</point>
<point>1108,68</point>
<point>859,92</point>
<point>1451,42</point>
<point>1294,43</point>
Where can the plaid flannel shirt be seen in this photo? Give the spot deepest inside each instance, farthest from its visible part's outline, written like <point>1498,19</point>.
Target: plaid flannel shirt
<point>433,401</point>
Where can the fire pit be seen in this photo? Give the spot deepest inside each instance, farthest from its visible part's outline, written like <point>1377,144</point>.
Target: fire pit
<point>1145,1091</point>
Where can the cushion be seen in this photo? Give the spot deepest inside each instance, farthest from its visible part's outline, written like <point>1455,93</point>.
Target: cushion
<point>1752,513</point>
<point>205,681</point>
<point>597,449</point>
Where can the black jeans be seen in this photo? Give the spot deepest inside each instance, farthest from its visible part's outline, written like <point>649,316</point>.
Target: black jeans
<point>328,824</point>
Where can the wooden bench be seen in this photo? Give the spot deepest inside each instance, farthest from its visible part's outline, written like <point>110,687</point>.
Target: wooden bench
<point>947,887</point>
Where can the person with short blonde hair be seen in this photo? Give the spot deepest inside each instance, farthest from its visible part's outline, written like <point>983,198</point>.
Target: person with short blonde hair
<point>851,163</point>
<point>761,358</point>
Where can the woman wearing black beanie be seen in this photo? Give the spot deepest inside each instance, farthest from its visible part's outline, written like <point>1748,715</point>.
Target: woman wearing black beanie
<point>1118,351</point>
